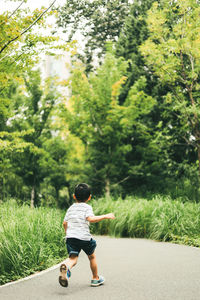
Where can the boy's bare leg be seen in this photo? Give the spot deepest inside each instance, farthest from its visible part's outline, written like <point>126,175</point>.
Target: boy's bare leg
<point>72,261</point>
<point>65,270</point>
<point>93,266</point>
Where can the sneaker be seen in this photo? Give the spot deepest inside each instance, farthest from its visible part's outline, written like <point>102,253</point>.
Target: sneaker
<point>100,281</point>
<point>65,273</point>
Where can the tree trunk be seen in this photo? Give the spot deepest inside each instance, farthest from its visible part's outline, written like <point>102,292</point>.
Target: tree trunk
<point>33,196</point>
<point>107,187</point>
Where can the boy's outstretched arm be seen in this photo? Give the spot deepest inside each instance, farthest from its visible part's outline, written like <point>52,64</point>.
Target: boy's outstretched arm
<point>95,219</point>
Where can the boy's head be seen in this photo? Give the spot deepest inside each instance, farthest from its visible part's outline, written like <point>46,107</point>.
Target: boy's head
<point>82,192</point>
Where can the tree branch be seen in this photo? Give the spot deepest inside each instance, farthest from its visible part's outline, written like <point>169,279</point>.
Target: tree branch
<point>12,13</point>
<point>16,9</point>
<point>28,28</point>
<point>115,184</point>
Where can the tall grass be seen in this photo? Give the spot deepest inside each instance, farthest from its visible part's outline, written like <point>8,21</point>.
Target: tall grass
<point>161,219</point>
<point>30,240</point>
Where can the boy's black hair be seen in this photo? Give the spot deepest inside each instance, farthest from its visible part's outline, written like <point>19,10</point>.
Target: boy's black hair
<point>82,192</point>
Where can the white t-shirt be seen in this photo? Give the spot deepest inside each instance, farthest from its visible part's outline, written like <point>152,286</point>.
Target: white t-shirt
<point>77,225</point>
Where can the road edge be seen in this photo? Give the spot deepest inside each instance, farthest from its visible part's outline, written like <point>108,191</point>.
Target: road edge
<point>32,275</point>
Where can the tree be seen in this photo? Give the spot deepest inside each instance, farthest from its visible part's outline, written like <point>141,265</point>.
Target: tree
<point>172,50</point>
<point>19,52</point>
<point>103,125</point>
<point>132,35</point>
<point>32,115</point>
<point>98,21</point>
<point>175,154</point>
<point>54,163</point>
<point>20,48</point>
<point>17,34</point>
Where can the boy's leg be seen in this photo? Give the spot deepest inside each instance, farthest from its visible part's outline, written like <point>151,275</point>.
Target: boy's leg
<point>93,266</point>
<point>72,261</point>
<point>65,272</point>
<point>73,249</point>
<point>97,280</point>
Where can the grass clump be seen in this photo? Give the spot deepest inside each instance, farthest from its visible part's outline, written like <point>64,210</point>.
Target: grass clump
<point>30,240</point>
<point>161,219</point>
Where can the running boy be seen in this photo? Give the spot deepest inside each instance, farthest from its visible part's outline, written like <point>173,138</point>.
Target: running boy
<point>78,237</point>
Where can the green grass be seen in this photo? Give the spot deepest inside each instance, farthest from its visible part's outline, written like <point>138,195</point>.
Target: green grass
<point>161,219</point>
<point>30,240</point>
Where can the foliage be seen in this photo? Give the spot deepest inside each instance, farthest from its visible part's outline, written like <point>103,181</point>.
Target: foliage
<point>19,50</point>
<point>22,40</point>
<point>172,49</point>
<point>24,111</point>
<point>31,240</point>
<point>103,125</point>
<point>174,158</point>
<point>133,123</point>
<point>98,21</point>
<point>32,112</point>
<point>61,167</point>
<point>38,153</point>
<point>132,35</point>
<point>151,154</point>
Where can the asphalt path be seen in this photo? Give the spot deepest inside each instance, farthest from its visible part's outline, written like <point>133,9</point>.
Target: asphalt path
<point>134,269</point>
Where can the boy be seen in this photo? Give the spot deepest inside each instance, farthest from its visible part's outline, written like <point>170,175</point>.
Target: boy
<point>78,237</point>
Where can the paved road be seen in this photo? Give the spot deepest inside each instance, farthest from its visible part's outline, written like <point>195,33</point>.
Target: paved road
<point>134,269</point>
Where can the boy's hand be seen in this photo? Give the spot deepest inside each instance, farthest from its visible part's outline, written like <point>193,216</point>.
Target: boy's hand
<point>110,216</point>
<point>65,226</point>
<point>95,219</point>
